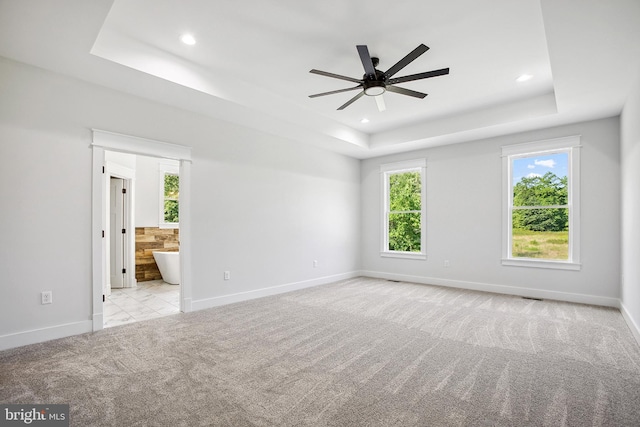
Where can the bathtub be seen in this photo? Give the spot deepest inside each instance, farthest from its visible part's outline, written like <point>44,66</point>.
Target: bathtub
<point>169,266</point>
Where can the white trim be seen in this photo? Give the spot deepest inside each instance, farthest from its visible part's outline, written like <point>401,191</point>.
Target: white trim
<point>98,246</point>
<point>34,336</point>
<point>632,324</point>
<point>545,145</point>
<point>404,165</point>
<point>499,289</point>
<point>273,290</point>
<point>136,145</point>
<point>405,255</point>
<point>541,263</point>
<point>185,238</point>
<point>569,145</point>
<point>386,170</point>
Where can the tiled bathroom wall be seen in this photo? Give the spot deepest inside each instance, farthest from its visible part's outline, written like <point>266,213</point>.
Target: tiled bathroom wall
<point>149,239</point>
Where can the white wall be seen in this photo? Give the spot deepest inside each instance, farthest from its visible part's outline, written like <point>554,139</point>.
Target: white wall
<point>263,207</point>
<point>464,219</point>
<point>148,191</point>
<point>121,159</point>
<point>630,158</point>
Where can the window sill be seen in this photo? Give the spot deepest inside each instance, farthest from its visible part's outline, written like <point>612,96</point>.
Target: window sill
<point>169,225</point>
<point>535,263</point>
<point>404,255</point>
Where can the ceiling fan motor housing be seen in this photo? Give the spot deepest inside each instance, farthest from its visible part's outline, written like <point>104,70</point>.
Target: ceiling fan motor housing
<point>374,87</point>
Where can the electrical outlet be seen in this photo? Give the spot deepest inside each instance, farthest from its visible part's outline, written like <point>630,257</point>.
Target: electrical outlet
<point>315,263</point>
<point>47,297</point>
<point>227,275</point>
<point>446,263</point>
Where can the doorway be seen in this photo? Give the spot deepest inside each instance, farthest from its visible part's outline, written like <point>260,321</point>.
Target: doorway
<point>106,187</point>
<point>139,286</point>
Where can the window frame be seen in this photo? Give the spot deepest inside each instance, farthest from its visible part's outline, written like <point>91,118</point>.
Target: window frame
<point>386,170</point>
<point>163,170</point>
<point>571,146</point>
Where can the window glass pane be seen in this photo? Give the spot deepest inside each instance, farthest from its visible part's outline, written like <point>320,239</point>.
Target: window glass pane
<point>404,232</point>
<point>171,213</point>
<point>405,192</point>
<point>540,233</point>
<point>171,195</point>
<point>171,187</point>
<point>540,180</point>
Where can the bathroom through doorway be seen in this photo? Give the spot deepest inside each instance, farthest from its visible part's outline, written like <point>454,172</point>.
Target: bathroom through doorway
<point>141,191</point>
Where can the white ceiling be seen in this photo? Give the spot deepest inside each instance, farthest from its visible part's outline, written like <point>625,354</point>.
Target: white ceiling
<point>251,62</point>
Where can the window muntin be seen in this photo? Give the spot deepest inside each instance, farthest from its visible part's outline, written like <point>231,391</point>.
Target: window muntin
<point>542,204</point>
<point>404,210</point>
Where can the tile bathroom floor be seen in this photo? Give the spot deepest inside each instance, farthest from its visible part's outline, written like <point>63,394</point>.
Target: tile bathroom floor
<point>146,301</point>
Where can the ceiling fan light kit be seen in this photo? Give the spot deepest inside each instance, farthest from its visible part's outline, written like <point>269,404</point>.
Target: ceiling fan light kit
<point>375,82</point>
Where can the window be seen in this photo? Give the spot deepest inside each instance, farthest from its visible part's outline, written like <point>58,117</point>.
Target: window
<point>404,210</point>
<point>169,196</point>
<point>541,204</point>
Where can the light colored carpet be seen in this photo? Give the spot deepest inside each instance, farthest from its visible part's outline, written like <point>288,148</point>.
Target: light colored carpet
<point>361,352</point>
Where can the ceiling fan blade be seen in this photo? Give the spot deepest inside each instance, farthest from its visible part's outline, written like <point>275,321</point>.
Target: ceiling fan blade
<point>363,51</point>
<point>406,60</point>
<point>380,103</point>
<point>335,91</point>
<point>351,101</point>
<point>428,74</point>
<point>335,76</point>
<point>403,91</point>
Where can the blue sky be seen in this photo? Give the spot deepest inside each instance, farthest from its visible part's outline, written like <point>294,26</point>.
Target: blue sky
<point>539,165</point>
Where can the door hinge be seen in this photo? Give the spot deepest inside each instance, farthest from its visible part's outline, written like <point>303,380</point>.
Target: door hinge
<point>103,298</point>
<point>124,230</point>
<point>124,271</point>
<point>103,169</point>
<point>124,191</point>
<point>103,234</point>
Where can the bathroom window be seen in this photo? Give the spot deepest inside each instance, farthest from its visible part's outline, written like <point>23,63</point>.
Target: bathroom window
<point>169,196</point>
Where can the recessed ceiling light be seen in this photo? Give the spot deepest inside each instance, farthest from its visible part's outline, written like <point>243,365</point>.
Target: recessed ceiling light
<point>188,39</point>
<point>365,120</point>
<point>524,78</point>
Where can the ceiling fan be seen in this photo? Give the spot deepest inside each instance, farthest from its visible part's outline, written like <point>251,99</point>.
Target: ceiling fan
<point>375,82</point>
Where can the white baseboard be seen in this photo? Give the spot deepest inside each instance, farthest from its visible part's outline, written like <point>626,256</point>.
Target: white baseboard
<point>273,290</point>
<point>60,331</point>
<point>631,323</point>
<point>499,289</point>
<point>45,334</point>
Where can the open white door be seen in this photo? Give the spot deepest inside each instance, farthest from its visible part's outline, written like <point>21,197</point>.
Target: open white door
<point>117,230</point>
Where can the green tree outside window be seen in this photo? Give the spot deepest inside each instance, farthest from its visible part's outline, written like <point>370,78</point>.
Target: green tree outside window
<point>540,210</point>
<point>405,207</point>
<point>171,196</point>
